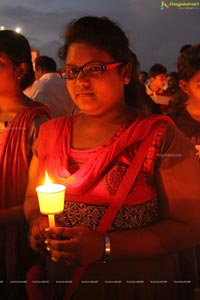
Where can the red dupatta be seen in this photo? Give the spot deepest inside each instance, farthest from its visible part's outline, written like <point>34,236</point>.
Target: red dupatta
<point>53,156</point>
<point>14,160</point>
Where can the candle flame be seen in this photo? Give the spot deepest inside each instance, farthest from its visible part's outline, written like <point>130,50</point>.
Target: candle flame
<point>47,180</point>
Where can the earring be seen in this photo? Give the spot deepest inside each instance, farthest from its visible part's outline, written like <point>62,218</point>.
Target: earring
<point>126,80</point>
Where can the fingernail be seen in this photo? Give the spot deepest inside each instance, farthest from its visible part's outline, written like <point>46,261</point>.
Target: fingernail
<point>48,249</point>
<point>46,242</point>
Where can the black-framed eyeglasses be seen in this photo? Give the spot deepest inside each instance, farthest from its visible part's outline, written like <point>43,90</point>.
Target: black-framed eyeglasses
<point>90,70</point>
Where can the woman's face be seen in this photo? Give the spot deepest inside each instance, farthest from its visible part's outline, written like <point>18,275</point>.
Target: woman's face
<point>192,87</point>
<point>9,74</point>
<point>95,95</point>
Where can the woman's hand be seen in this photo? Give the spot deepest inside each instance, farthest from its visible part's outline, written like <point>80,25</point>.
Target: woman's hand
<point>36,234</point>
<point>76,245</point>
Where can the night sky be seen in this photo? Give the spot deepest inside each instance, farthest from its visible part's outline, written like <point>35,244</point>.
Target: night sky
<point>155,35</point>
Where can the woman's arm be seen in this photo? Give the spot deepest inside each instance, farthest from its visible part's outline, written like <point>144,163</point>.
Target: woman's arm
<point>36,220</point>
<point>12,215</point>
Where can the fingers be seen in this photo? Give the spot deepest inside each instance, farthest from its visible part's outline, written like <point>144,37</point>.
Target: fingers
<point>36,244</point>
<point>69,245</point>
<point>61,233</point>
<point>36,239</point>
<point>63,244</point>
<point>69,258</point>
<point>76,245</point>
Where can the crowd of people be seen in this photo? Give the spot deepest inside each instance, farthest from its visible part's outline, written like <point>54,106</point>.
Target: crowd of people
<point>125,143</point>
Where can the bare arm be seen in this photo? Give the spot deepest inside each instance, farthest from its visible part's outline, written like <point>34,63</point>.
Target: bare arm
<point>12,215</point>
<point>31,205</point>
<point>37,221</point>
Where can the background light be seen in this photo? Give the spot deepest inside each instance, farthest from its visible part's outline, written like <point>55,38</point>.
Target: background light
<point>2,27</point>
<point>18,29</point>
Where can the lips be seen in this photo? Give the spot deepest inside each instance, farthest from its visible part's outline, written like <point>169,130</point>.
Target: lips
<point>84,93</point>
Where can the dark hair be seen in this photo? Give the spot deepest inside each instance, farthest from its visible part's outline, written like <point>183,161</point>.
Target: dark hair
<point>145,76</point>
<point>157,69</point>
<point>185,48</point>
<point>189,62</point>
<point>17,48</point>
<point>100,32</point>
<point>174,74</point>
<point>144,73</point>
<point>46,63</point>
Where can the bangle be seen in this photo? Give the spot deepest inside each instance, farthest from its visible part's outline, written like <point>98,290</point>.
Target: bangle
<point>107,249</point>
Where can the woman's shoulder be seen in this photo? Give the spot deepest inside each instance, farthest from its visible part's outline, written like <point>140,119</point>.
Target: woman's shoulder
<point>34,109</point>
<point>59,122</point>
<point>176,147</point>
<point>151,121</point>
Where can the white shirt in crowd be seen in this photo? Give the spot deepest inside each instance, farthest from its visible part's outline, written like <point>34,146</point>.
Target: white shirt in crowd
<point>51,90</point>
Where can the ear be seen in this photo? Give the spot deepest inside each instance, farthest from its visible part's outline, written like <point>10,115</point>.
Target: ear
<point>184,86</point>
<point>21,70</point>
<point>126,73</point>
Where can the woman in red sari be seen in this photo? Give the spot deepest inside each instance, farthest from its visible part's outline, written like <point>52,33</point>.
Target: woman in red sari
<point>132,190</point>
<point>19,121</point>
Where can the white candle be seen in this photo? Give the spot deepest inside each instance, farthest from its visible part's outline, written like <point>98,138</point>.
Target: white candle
<point>51,200</point>
<point>51,219</point>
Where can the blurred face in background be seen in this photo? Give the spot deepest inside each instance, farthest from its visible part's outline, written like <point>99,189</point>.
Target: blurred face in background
<point>159,81</point>
<point>34,55</point>
<point>172,82</point>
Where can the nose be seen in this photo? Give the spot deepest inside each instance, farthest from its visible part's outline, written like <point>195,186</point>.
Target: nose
<point>81,75</point>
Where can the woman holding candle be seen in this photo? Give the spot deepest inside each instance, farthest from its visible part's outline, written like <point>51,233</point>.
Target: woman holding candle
<point>132,190</point>
<point>19,121</point>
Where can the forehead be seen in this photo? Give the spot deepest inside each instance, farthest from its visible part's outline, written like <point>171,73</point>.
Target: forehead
<point>82,53</point>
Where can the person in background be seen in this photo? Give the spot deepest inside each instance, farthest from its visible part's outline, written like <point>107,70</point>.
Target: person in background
<point>135,92</point>
<point>187,118</point>
<point>177,96</point>
<point>184,47</point>
<point>19,122</point>
<point>34,54</point>
<point>155,88</point>
<point>50,89</point>
<point>172,82</point>
<point>143,77</point>
<point>121,205</point>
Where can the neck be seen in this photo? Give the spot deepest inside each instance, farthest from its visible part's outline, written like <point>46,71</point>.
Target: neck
<point>116,117</point>
<point>193,107</point>
<point>10,105</point>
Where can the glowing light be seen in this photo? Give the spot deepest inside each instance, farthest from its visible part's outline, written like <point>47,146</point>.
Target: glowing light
<point>2,27</point>
<point>47,180</point>
<point>18,29</point>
